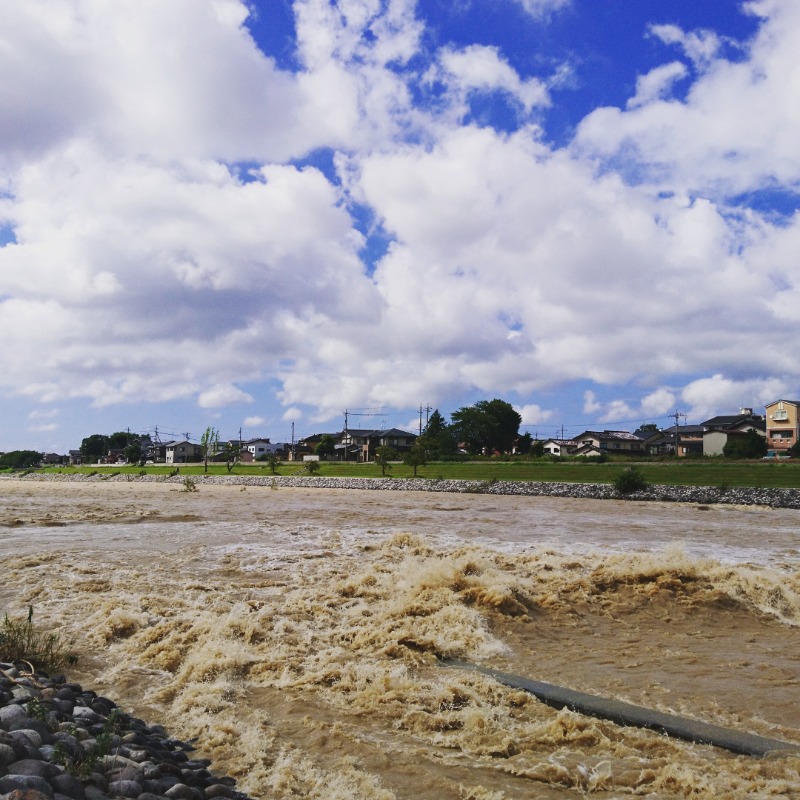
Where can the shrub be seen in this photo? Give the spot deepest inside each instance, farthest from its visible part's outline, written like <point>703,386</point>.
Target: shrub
<point>630,480</point>
<point>21,641</point>
<point>189,485</point>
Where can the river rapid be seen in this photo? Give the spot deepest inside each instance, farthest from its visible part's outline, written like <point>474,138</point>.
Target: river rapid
<point>297,633</point>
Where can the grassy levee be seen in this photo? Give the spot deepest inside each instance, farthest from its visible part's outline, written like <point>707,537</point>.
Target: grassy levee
<point>699,472</point>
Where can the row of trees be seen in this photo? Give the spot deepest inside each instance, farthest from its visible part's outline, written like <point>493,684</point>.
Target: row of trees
<point>99,445</point>
<point>488,427</point>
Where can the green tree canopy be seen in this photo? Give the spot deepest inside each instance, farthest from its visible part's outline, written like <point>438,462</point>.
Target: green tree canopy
<point>488,426</point>
<point>417,455</point>
<point>94,447</point>
<point>121,439</point>
<point>326,447</point>
<point>20,459</point>
<point>384,455</point>
<point>438,437</point>
<point>751,445</point>
<point>209,441</point>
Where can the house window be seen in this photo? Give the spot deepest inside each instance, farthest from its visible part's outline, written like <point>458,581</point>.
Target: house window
<point>778,415</point>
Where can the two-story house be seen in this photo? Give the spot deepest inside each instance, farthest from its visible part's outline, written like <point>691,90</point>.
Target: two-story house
<point>591,443</point>
<point>183,452</point>
<point>783,424</point>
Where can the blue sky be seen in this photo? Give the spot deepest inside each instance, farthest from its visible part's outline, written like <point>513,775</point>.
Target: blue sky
<point>259,215</point>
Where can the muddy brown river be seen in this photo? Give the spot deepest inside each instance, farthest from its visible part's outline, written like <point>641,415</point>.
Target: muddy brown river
<point>298,633</point>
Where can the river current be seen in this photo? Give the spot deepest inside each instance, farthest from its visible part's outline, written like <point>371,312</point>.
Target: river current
<point>297,634</point>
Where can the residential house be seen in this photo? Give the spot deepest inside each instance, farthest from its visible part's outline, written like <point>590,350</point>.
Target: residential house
<point>308,446</point>
<point>401,441</point>
<point>718,430</point>
<point>256,448</point>
<point>183,452</point>
<point>559,447</point>
<point>783,424</point>
<point>352,444</point>
<point>608,442</point>
<point>687,440</point>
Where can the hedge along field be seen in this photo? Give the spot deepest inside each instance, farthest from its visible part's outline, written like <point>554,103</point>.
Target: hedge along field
<point>700,472</point>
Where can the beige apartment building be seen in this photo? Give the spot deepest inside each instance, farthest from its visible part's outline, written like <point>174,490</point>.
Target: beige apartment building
<point>783,424</point>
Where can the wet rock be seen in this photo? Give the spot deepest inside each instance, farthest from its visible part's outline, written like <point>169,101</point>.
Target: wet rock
<point>10,783</point>
<point>65,755</point>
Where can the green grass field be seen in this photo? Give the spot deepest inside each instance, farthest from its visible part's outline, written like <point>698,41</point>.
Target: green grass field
<point>708,472</point>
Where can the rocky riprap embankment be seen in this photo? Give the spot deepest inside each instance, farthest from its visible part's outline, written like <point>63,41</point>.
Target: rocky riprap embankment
<point>701,495</point>
<point>61,742</point>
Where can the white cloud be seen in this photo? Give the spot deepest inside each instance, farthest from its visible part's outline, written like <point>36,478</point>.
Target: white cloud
<point>44,427</point>
<point>590,404</point>
<point>700,46</point>
<point>658,403</point>
<point>736,130</point>
<point>223,395</point>
<point>543,8</point>
<point>708,395</point>
<point>479,68</point>
<point>146,267</point>
<point>618,411</point>
<point>254,422</point>
<point>49,413</point>
<point>533,414</point>
<point>657,83</point>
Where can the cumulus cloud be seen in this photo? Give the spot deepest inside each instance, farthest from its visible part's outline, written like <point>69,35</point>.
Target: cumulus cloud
<point>706,395</point>
<point>482,69</point>
<point>700,46</point>
<point>533,414</point>
<point>736,130</point>
<point>223,395</point>
<point>657,83</point>
<point>254,422</point>
<point>543,8</point>
<point>172,241</point>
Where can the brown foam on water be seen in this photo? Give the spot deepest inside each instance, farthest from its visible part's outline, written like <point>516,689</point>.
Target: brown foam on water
<point>306,665</point>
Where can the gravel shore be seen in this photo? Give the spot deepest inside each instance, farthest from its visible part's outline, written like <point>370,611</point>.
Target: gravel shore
<point>702,495</point>
<point>61,742</point>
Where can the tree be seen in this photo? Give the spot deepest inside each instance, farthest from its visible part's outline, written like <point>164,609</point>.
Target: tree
<point>20,459</point>
<point>384,455</point>
<point>312,467</point>
<point>273,462</point>
<point>94,447</point>
<point>750,445</point>
<point>120,440</point>
<point>794,450</point>
<point>438,437</point>
<point>507,422</point>
<point>488,426</point>
<point>417,455</point>
<point>524,443</point>
<point>326,447</point>
<point>209,441</point>
<point>133,452</point>
<point>435,425</point>
<point>231,453</point>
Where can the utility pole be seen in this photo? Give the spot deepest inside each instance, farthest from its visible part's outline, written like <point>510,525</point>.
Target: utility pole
<point>293,452</point>
<point>677,416</point>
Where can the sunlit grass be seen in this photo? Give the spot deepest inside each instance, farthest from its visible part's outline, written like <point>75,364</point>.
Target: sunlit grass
<point>694,472</point>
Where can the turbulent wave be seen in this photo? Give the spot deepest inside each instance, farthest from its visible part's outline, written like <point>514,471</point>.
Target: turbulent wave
<point>305,657</point>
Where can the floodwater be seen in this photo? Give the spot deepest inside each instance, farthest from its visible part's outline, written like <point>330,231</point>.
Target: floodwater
<point>297,633</point>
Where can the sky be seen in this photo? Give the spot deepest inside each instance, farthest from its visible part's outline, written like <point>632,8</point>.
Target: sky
<point>257,216</point>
